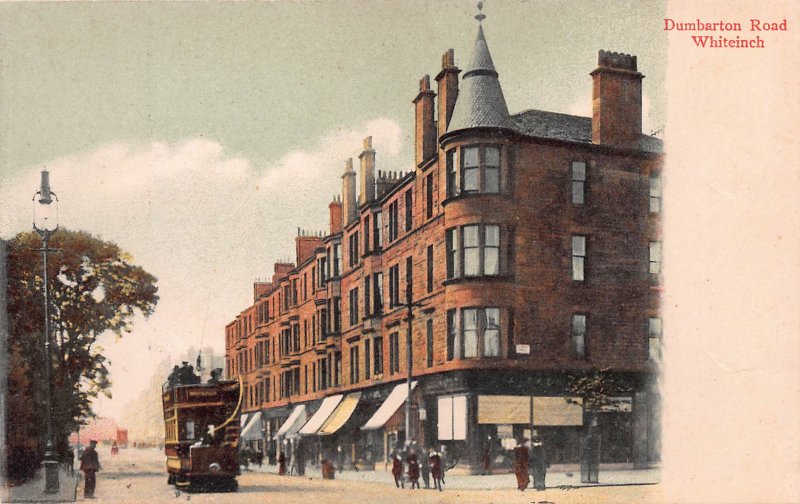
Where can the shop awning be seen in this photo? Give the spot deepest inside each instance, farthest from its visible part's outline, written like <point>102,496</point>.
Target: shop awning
<point>340,415</point>
<point>558,411</point>
<point>389,407</point>
<point>243,418</point>
<point>503,409</point>
<point>252,430</point>
<point>325,410</point>
<point>292,424</point>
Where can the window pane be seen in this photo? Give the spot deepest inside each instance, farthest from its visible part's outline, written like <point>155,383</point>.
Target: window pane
<point>491,336</point>
<point>578,170</point>
<point>579,323</point>
<point>492,156</point>
<point>491,259</point>
<point>655,251</point>
<point>655,327</point>
<point>655,186</point>
<point>470,236</point>
<point>492,236</point>
<point>577,193</point>
<point>470,156</point>
<point>470,179</point>
<point>577,268</point>
<point>472,261</point>
<point>491,180</point>
<point>654,349</point>
<point>579,245</point>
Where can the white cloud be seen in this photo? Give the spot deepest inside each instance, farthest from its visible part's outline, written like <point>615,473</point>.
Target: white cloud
<point>205,222</point>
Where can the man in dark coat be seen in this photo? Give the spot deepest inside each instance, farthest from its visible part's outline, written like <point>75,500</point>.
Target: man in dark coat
<point>425,469</point>
<point>282,463</point>
<point>437,470</point>
<point>521,455</point>
<point>90,464</point>
<point>538,464</point>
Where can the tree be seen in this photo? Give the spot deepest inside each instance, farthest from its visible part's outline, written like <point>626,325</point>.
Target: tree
<point>94,287</point>
<point>599,390</point>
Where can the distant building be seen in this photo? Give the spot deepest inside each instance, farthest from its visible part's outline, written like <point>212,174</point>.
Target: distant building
<point>102,430</point>
<point>531,245</point>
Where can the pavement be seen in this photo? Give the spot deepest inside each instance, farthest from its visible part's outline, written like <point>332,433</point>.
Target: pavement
<point>33,489</point>
<point>560,477</point>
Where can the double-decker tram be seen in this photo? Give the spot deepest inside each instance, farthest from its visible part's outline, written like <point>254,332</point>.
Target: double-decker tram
<point>202,433</point>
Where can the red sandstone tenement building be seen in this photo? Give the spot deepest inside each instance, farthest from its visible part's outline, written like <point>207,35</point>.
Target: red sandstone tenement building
<point>531,244</point>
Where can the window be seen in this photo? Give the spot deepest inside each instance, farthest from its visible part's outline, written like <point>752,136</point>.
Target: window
<point>451,183</point>
<point>579,334</point>
<point>429,267</point>
<point>367,294</point>
<point>354,306</point>
<point>578,258</point>
<point>337,260</point>
<point>393,221</point>
<point>366,235</point>
<point>452,334</point>
<point>409,210</point>
<point>377,349</point>
<point>655,258</point>
<point>394,353</point>
<point>475,334</point>
<point>480,170</point>
<point>394,286</point>
<point>321,266</point>
<point>366,359</point>
<point>337,314</point>
<point>491,333</point>
<point>429,342</point>
<point>377,231</point>
<point>479,250</point>
<point>453,269</point>
<point>337,369</point>
<point>378,293</point>
<point>352,252</point>
<point>429,196</point>
<point>655,194</point>
<point>654,339</point>
<point>409,279</point>
<point>578,182</point>
<point>294,292</point>
<point>469,324</point>
<point>354,375</point>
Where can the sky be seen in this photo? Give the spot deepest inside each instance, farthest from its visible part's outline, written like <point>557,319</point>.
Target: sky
<point>200,136</point>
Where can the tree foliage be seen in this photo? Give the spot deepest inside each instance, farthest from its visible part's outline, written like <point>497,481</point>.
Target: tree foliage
<point>598,389</point>
<point>94,288</point>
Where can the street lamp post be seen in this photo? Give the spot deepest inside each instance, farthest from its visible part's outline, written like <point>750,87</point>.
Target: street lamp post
<point>409,362</point>
<point>45,222</point>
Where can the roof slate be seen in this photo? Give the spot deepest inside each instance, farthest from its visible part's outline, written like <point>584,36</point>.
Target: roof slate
<point>552,125</point>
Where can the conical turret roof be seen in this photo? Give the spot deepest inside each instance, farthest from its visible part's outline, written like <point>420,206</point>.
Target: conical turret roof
<point>480,102</point>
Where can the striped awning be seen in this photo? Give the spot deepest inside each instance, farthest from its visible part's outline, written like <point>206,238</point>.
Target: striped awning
<point>292,424</point>
<point>325,410</point>
<point>340,415</point>
<point>389,407</point>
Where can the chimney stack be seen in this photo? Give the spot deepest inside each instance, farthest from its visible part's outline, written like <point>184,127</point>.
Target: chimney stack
<point>367,172</point>
<point>425,123</point>
<point>616,100</point>
<point>335,209</point>
<point>448,89</point>
<point>349,192</point>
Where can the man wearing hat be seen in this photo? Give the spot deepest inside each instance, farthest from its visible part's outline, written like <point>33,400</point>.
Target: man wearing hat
<point>90,464</point>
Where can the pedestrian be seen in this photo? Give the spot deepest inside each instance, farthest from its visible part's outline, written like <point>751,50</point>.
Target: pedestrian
<point>69,461</point>
<point>486,460</point>
<point>114,448</point>
<point>339,458</point>
<point>538,463</point>
<point>282,463</point>
<point>436,469</point>
<point>397,470</point>
<point>90,464</point>
<point>521,465</point>
<point>413,470</point>
<point>425,469</point>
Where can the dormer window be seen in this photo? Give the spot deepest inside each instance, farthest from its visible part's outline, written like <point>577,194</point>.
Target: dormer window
<point>473,169</point>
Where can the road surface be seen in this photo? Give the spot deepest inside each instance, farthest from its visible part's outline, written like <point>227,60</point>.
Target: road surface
<point>138,476</point>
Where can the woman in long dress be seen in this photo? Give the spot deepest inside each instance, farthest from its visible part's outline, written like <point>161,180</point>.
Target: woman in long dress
<point>521,466</point>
